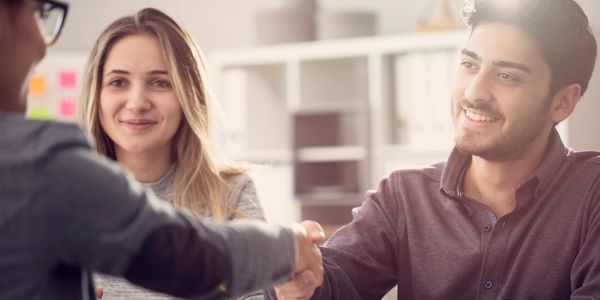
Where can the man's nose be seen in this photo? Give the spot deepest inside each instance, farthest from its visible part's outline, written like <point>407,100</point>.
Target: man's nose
<point>479,89</point>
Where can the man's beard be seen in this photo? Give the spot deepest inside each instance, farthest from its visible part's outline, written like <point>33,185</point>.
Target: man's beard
<point>505,146</point>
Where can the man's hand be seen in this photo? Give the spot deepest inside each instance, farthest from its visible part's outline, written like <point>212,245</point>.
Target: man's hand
<point>301,287</point>
<point>309,266</point>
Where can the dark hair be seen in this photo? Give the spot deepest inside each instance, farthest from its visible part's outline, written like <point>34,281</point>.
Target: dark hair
<point>13,2</point>
<point>559,27</point>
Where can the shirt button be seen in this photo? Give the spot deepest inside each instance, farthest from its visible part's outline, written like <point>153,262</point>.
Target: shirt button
<point>487,228</point>
<point>488,284</point>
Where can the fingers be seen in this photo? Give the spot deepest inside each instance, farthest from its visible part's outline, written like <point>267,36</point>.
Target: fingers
<point>308,255</point>
<point>315,231</point>
<point>99,292</point>
<point>301,287</point>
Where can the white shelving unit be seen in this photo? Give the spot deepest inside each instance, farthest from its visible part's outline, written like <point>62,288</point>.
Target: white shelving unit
<point>338,115</point>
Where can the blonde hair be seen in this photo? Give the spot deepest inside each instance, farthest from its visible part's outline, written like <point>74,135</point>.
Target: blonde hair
<point>200,178</point>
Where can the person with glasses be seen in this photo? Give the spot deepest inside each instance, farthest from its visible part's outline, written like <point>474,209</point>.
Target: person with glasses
<point>65,211</point>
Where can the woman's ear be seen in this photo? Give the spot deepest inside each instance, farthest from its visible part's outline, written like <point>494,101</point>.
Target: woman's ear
<point>564,102</point>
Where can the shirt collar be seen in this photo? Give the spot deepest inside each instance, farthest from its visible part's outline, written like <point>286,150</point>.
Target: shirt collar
<point>556,154</point>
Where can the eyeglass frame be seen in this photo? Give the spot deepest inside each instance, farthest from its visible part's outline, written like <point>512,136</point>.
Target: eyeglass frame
<point>64,7</point>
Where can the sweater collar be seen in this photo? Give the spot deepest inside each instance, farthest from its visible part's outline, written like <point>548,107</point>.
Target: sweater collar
<point>555,156</point>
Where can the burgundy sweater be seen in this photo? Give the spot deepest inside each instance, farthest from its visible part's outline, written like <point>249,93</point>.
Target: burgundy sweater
<point>419,232</point>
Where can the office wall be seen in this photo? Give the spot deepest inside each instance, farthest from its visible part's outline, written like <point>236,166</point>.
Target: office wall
<point>219,24</point>
<point>584,126</point>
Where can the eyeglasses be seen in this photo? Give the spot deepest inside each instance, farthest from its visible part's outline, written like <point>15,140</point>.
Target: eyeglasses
<point>50,16</point>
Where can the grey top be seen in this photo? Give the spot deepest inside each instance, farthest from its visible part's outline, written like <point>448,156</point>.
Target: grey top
<point>65,211</point>
<point>242,197</point>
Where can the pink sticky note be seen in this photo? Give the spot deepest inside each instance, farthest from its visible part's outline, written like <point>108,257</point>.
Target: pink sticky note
<point>67,79</point>
<point>67,108</point>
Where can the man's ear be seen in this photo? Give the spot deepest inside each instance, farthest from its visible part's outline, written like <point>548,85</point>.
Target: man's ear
<point>564,102</point>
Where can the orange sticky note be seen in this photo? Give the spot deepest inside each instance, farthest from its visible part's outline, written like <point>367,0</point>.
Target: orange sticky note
<point>67,108</point>
<point>67,79</point>
<point>38,85</point>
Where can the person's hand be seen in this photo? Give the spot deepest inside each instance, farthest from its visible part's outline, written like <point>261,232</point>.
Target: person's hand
<point>99,292</point>
<point>301,287</point>
<point>309,266</point>
<point>308,235</point>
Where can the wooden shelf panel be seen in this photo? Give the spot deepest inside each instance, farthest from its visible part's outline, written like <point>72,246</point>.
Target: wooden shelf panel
<point>333,153</point>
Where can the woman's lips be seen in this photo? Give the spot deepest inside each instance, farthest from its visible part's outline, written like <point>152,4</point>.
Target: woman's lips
<point>138,124</point>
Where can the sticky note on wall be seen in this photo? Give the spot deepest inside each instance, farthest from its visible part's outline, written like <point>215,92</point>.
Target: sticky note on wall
<point>38,85</point>
<point>67,108</point>
<point>67,79</point>
<point>40,113</point>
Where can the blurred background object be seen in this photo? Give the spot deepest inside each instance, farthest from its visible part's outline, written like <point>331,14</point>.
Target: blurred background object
<point>291,21</point>
<point>441,19</point>
<point>345,24</point>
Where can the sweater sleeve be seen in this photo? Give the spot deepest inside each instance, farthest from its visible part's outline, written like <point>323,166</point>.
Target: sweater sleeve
<point>245,199</point>
<point>98,217</point>
<point>585,274</point>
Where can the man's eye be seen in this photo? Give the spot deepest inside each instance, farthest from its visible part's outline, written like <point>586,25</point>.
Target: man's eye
<point>467,65</point>
<point>508,77</point>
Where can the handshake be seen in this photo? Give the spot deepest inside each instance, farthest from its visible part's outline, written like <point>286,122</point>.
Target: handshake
<point>308,274</point>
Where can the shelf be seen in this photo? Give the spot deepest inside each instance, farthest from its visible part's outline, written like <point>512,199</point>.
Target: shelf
<point>323,81</point>
<point>341,48</point>
<point>275,156</point>
<point>330,107</point>
<point>328,177</point>
<point>333,153</point>
<point>341,113</point>
<point>246,97</point>
<point>331,199</point>
<point>327,130</point>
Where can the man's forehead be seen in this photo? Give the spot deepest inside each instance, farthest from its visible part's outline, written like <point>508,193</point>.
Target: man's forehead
<point>491,41</point>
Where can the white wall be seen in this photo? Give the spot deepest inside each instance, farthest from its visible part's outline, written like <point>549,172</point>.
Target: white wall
<point>218,24</point>
<point>584,126</point>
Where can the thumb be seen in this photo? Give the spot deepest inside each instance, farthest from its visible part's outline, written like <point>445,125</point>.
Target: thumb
<point>315,231</point>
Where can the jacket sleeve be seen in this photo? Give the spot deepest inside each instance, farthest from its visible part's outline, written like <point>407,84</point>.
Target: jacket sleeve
<point>98,217</point>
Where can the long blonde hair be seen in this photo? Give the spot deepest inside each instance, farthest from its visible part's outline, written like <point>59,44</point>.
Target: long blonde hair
<point>200,178</point>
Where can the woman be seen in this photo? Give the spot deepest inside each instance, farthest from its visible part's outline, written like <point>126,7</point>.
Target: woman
<point>146,103</point>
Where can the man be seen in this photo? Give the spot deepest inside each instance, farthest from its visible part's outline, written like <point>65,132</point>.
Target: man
<point>65,212</point>
<point>512,214</point>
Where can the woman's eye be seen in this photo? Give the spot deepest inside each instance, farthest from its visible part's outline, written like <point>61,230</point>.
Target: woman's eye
<point>161,84</point>
<point>117,83</point>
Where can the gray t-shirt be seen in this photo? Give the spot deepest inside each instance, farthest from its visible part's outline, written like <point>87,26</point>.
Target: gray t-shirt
<point>242,197</point>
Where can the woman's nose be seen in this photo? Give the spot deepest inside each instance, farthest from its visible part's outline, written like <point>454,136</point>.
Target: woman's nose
<point>138,100</point>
